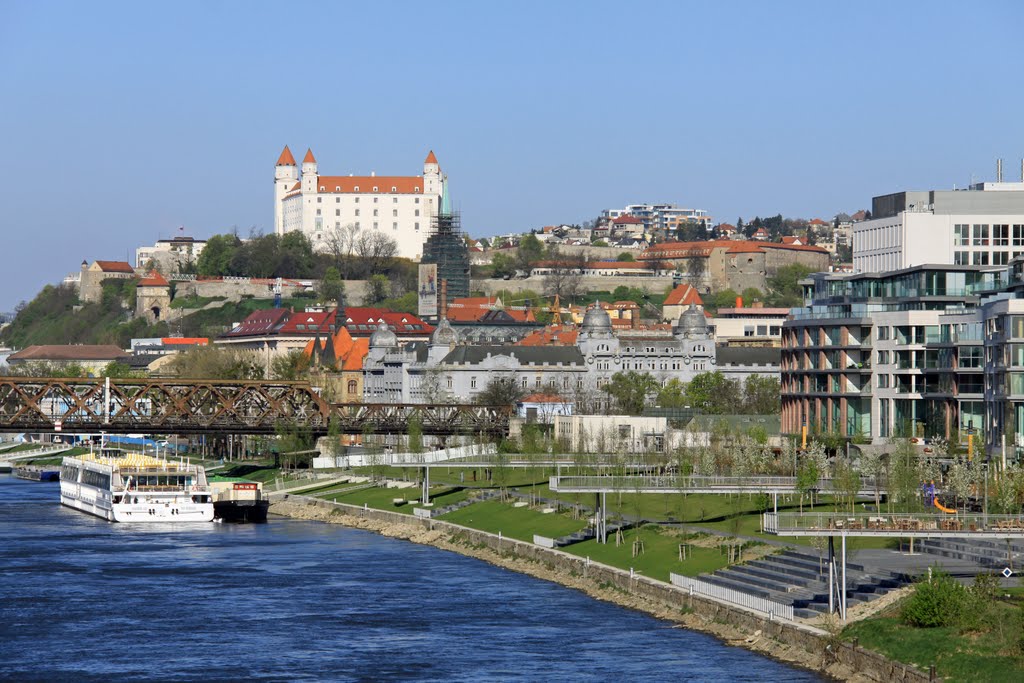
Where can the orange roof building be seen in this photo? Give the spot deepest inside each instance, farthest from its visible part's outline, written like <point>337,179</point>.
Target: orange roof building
<point>400,206</point>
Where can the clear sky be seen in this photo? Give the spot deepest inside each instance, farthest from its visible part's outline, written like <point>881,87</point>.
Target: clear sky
<point>122,121</point>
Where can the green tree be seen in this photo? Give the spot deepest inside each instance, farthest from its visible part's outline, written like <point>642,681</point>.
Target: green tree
<point>714,393</point>
<point>331,286</point>
<point>751,294</point>
<point>296,256</point>
<point>784,286</point>
<point>530,252</point>
<point>673,394</point>
<point>215,259</point>
<point>762,395</point>
<point>378,288</point>
<point>626,257</point>
<point>599,243</point>
<point>500,391</point>
<point>290,366</point>
<point>630,390</point>
<point>502,266</point>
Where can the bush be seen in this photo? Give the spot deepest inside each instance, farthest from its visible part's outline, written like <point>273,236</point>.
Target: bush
<point>939,601</point>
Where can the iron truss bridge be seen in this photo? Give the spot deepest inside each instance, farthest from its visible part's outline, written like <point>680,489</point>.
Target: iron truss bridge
<point>165,406</point>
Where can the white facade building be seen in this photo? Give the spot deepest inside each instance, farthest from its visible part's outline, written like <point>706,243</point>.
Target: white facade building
<point>660,216</point>
<point>401,207</point>
<point>981,226</point>
<point>168,256</point>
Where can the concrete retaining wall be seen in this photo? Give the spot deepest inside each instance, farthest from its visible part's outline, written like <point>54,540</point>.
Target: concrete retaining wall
<point>809,639</point>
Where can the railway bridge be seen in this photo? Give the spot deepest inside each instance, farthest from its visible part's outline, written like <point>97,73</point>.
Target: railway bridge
<point>199,406</point>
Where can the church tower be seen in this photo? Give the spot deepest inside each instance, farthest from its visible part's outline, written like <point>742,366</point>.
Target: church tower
<point>286,174</point>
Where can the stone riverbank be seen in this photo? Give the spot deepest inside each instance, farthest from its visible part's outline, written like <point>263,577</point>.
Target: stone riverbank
<point>798,644</point>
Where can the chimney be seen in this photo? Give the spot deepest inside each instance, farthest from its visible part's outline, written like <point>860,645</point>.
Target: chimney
<point>635,319</point>
<point>443,310</point>
<point>739,302</point>
<point>999,170</point>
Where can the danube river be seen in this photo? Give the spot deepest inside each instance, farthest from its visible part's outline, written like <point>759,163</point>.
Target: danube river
<point>83,599</point>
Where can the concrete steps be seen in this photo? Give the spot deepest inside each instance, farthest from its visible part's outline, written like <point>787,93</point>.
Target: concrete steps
<point>983,552</point>
<point>797,578</point>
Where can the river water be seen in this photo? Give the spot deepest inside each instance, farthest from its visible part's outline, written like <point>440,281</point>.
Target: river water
<point>85,600</point>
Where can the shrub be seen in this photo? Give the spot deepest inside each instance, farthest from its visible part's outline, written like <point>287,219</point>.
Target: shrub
<point>938,601</point>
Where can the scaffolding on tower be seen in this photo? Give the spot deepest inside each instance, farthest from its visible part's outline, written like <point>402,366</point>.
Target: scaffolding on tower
<point>446,246</point>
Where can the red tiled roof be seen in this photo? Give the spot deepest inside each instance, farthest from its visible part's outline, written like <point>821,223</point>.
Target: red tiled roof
<point>185,341</point>
<point>115,266</point>
<point>552,335</point>
<point>431,159</point>
<point>543,398</point>
<point>286,158</point>
<point>304,323</point>
<point>685,249</point>
<point>683,295</point>
<point>365,184</point>
<point>154,279</point>
<point>69,352</point>
<point>266,321</point>
<point>309,158</point>
<point>794,247</point>
<point>628,219</point>
<point>402,324</point>
<point>818,221</point>
<point>723,227</point>
<point>791,239</point>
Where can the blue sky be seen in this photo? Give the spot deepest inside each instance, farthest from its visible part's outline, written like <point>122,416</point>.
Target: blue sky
<point>122,121</point>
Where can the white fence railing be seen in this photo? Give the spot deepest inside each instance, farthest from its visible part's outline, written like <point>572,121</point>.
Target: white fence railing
<point>771,608</point>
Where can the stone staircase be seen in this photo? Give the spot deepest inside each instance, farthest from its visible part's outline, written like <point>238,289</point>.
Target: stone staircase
<point>795,578</point>
<point>993,554</point>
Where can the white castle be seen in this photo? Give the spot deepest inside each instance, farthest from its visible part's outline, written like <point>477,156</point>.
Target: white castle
<point>320,206</point>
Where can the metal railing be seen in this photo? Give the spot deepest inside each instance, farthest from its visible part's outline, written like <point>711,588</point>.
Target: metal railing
<point>817,523</point>
<point>669,483</point>
<point>771,608</point>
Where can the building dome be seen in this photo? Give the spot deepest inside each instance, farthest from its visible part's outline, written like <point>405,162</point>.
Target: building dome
<point>597,320</point>
<point>383,337</point>
<point>444,334</point>
<point>692,323</point>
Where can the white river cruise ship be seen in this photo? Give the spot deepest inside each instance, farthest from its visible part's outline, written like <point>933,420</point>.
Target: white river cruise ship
<point>136,488</point>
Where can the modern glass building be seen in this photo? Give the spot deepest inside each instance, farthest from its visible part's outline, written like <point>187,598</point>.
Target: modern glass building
<point>902,353</point>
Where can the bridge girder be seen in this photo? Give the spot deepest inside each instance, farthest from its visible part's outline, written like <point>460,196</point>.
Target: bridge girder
<point>171,406</point>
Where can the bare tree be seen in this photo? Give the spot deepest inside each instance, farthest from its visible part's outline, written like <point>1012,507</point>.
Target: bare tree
<point>375,249</point>
<point>340,244</point>
<point>565,278</point>
<point>696,266</point>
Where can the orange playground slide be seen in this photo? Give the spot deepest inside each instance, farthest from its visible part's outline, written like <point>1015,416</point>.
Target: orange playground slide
<point>948,511</point>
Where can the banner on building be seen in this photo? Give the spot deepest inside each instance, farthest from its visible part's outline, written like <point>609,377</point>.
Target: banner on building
<point>427,290</point>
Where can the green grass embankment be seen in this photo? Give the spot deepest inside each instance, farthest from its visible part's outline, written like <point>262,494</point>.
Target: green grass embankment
<point>990,651</point>
<point>660,556</point>
<point>520,523</point>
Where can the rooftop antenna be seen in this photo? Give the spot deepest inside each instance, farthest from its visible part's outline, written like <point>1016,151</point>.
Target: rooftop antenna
<point>999,170</point>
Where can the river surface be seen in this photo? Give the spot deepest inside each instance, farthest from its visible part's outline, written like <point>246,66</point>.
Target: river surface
<point>83,599</point>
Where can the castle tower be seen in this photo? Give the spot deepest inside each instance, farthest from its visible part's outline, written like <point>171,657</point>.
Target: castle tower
<point>286,174</point>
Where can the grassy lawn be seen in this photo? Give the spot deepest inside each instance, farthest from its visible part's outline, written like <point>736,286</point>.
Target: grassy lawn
<point>519,523</point>
<point>463,476</point>
<point>660,556</point>
<point>972,657</point>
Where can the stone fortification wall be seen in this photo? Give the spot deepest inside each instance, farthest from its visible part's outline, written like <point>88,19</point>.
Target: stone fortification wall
<point>599,283</point>
<point>841,659</point>
<point>236,288</point>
